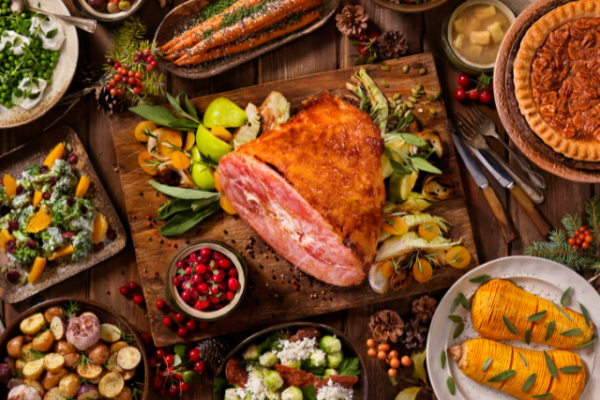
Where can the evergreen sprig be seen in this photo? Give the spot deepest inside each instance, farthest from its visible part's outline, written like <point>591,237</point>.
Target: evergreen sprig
<point>559,250</point>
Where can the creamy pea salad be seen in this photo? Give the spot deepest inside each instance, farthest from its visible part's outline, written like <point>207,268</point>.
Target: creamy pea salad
<point>30,44</point>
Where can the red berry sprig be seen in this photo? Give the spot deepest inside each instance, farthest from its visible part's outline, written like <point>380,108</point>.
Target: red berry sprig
<point>383,352</point>
<point>581,239</point>
<point>482,91</point>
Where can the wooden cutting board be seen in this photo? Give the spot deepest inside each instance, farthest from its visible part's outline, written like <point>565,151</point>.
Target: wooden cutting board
<point>272,296</point>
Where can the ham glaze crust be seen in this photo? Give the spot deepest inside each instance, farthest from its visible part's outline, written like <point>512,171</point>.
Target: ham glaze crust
<point>313,189</point>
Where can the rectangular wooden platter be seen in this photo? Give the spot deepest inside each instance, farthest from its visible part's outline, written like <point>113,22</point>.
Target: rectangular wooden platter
<point>13,163</point>
<point>272,296</point>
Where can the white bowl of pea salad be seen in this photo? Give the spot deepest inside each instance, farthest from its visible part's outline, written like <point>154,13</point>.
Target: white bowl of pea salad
<point>38,58</point>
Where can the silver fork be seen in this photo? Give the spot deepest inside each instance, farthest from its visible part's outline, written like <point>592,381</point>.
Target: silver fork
<point>475,139</point>
<point>486,127</point>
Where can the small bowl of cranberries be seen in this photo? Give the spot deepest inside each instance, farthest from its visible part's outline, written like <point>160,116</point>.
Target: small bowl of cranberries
<point>206,281</point>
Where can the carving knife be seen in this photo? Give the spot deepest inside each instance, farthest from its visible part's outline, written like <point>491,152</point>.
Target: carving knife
<point>506,226</point>
<point>538,219</point>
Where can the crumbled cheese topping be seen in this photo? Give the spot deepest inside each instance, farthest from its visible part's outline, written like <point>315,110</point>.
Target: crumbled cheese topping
<point>255,385</point>
<point>296,351</point>
<point>334,391</point>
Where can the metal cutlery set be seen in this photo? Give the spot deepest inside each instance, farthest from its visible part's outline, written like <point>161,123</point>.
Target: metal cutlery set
<point>474,127</point>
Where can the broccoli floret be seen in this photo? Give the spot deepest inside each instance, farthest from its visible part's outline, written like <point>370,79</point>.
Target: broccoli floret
<point>81,220</point>
<point>58,170</point>
<point>3,196</point>
<point>82,244</point>
<point>30,172</point>
<point>24,216</point>
<point>26,184</point>
<point>21,200</point>
<point>25,255</point>
<point>52,239</point>
<point>64,187</point>
<point>5,220</point>
<point>21,236</point>
<point>60,167</point>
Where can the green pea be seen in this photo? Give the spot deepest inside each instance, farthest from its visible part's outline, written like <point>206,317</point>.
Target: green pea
<point>47,75</point>
<point>30,63</point>
<point>6,65</point>
<point>11,59</point>
<point>52,65</point>
<point>43,63</point>
<point>49,81</point>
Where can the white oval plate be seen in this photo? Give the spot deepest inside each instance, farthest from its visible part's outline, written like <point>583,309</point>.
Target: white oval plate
<point>61,78</point>
<point>544,278</point>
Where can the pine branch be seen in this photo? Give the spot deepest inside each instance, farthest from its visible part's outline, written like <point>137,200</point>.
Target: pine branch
<point>571,223</point>
<point>592,208</point>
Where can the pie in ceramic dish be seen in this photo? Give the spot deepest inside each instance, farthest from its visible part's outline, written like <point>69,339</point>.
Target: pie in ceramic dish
<point>557,79</point>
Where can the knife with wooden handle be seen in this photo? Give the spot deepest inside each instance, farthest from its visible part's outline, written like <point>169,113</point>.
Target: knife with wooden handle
<point>506,226</point>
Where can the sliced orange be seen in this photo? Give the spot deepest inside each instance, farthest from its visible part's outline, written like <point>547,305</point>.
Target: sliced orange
<point>41,220</point>
<point>100,228</point>
<point>37,198</point>
<point>218,182</point>
<point>190,141</point>
<point>36,269</point>
<point>63,251</point>
<point>82,187</point>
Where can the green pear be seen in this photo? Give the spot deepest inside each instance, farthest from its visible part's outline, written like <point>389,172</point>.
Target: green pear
<point>210,145</point>
<point>203,176</point>
<point>223,112</point>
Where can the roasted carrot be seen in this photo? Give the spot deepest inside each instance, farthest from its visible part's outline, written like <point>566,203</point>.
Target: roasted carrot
<point>271,14</point>
<point>253,40</point>
<point>194,35</point>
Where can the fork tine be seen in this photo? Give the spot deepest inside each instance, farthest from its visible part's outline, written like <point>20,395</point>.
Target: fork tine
<point>468,125</point>
<point>462,132</point>
<point>465,130</point>
<point>476,111</point>
<point>476,119</point>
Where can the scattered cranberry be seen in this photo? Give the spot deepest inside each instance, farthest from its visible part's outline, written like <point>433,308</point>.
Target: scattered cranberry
<point>138,299</point>
<point>20,189</point>
<point>146,338</point>
<point>460,94</point>
<point>44,169</point>
<point>167,321</point>
<point>83,209</point>
<point>98,247</point>
<point>160,303</point>
<point>190,325</point>
<point>123,290</point>
<point>10,246</point>
<point>464,80</point>
<point>111,234</point>
<point>182,332</point>
<point>199,366</point>
<point>179,317</point>
<point>132,285</point>
<point>53,180</point>
<point>72,158</point>
<point>13,226</point>
<point>46,195</point>
<point>68,234</point>
<point>13,276</point>
<point>31,244</point>
<point>70,201</point>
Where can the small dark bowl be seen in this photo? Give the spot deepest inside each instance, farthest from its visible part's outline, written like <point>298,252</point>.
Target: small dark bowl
<point>410,8</point>
<point>105,314</point>
<point>361,389</point>
<point>105,16</point>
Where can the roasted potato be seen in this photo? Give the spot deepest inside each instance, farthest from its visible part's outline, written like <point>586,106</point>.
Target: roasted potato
<point>117,346</point>
<point>89,370</point>
<point>19,364</point>
<point>33,324</point>
<point>71,359</point>
<point>110,333</point>
<point>127,375</point>
<point>26,352</point>
<point>13,348</point>
<point>33,369</point>
<point>69,385</point>
<point>54,362</point>
<point>52,379</point>
<point>112,365</point>
<point>28,338</point>
<point>54,311</point>
<point>34,384</point>
<point>125,394</point>
<point>128,358</point>
<point>59,327</point>
<point>43,342</point>
<point>98,353</point>
<point>97,380</point>
<point>63,347</point>
<point>111,385</point>
<point>54,394</point>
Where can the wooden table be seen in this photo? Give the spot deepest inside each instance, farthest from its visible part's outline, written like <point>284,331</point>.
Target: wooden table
<point>323,50</point>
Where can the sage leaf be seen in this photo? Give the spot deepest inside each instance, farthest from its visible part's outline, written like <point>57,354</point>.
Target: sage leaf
<point>454,305</point>
<point>551,366</point>
<point>511,328</point>
<point>571,369</point>
<point>480,279</point>
<point>528,336</point>
<point>571,332</point>
<point>543,396</point>
<point>451,386</point>
<point>462,299</point>
<point>550,330</point>
<point>186,220</point>
<point>455,318</point>
<point>524,360</point>
<point>503,376</point>
<point>537,316</point>
<point>172,207</point>
<point>486,364</point>
<point>443,359</point>
<point>190,107</point>
<point>585,313</point>
<point>51,34</point>
<point>594,340</point>
<point>458,330</point>
<point>183,193</point>
<point>156,114</point>
<point>423,165</point>
<point>529,382</point>
<point>413,139</point>
<point>563,312</point>
<point>566,297</point>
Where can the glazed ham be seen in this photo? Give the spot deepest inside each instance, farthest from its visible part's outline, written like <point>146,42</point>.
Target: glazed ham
<point>313,189</point>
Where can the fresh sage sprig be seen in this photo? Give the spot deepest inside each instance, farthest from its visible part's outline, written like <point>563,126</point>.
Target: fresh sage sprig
<point>163,117</point>
<point>184,221</point>
<point>511,328</point>
<point>184,193</point>
<point>537,316</point>
<point>529,382</point>
<point>503,376</point>
<point>551,366</point>
<point>550,330</point>
<point>566,297</point>
<point>487,364</point>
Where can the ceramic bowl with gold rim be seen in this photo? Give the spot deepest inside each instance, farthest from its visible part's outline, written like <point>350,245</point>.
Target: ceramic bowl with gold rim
<point>103,15</point>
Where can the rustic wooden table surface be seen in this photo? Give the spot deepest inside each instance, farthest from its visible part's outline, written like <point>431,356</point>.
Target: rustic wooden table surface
<point>323,50</point>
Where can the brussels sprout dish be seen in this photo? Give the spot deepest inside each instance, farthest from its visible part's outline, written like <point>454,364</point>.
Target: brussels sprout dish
<point>304,366</point>
<point>45,216</point>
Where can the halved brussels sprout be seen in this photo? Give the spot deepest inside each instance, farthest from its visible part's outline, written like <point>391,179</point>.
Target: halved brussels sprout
<point>318,358</point>
<point>273,380</point>
<point>335,359</point>
<point>329,372</point>
<point>292,393</point>
<point>268,359</point>
<point>251,353</point>
<point>330,344</point>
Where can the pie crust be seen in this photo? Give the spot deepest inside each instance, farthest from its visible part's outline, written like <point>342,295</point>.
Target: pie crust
<point>563,106</point>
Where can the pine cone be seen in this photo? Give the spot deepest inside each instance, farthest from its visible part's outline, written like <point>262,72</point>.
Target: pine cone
<point>107,102</point>
<point>213,350</point>
<point>416,334</point>
<point>392,44</point>
<point>86,75</point>
<point>423,308</point>
<point>352,20</point>
<point>386,325</point>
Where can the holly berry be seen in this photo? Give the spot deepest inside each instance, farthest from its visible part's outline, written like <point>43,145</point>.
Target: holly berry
<point>199,366</point>
<point>182,332</point>
<point>160,303</point>
<point>571,241</point>
<point>233,284</point>
<point>371,343</point>
<point>184,387</point>
<point>362,50</point>
<point>159,353</point>
<point>179,317</point>
<point>473,94</point>
<point>395,363</point>
<point>406,361</point>
<point>169,360</point>
<point>157,382</point>
<point>464,80</point>
<point>167,321</point>
<point>123,290</point>
<point>374,36</point>
<point>372,352</point>
<point>146,338</point>
<point>485,97</point>
<point>392,372</point>
<point>190,325</point>
<point>585,245</point>
<point>362,37</point>
<point>138,299</point>
<point>588,238</point>
<point>460,94</point>
<point>173,391</point>
<point>194,354</point>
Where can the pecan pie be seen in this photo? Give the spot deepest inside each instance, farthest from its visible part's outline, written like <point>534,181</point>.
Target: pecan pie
<point>557,79</point>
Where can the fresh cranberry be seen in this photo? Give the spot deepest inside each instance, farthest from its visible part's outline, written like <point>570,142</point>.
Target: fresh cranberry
<point>123,290</point>
<point>182,332</point>
<point>464,80</point>
<point>214,289</point>
<point>205,252</point>
<point>374,36</point>
<point>83,209</point>
<point>188,270</point>
<point>185,296</point>
<point>179,317</point>
<point>217,256</point>
<point>98,247</point>
<point>72,158</point>
<point>184,387</point>
<point>233,284</point>
<point>222,286</point>
<point>219,306</point>
<point>203,287</point>
<point>31,244</point>
<point>199,366</point>
<point>53,180</point>
<point>203,260</point>
<point>173,391</point>
<point>214,299</point>
<point>159,353</point>
<point>207,276</point>
<point>132,285</point>
<point>460,94</point>
<point>202,304</point>
<point>473,94</point>
<point>362,50</point>
<point>44,169</point>
<point>167,321</point>
<point>169,360</point>
<point>201,269</point>
<point>160,303</point>
<point>190,325</point>
<point>157,381</point>
<point>194,293</point>
<point>194,354</point>
<point>138,299</point>
<point>192,258</point>
<point>146,338</point>
<point>111,234</point>
<point>70,201</point>
<point>485,97</point>
<point>13,226</point>
<point>180,264</point>
<point>13,276</point>
<point>177,280</point>
<point>213,265</point>
<point>20,189</point>
<point>229,295</point>
<point>225,263</point>
<point>218,275</point>
<point>10,246</point>
<point>46,195</point>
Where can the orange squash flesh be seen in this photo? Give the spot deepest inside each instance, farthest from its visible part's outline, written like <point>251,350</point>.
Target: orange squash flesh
<point>37,198</point>
<point>10,185</point>
<point>54,155</point>
<point>100,228</point>
<point>5,236</point>
<point>500,298</point>
<point>63,251</point>
<point>475,353</point>
<point>41,220</point>
<point>36,269</point>
<point>82,187</point>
